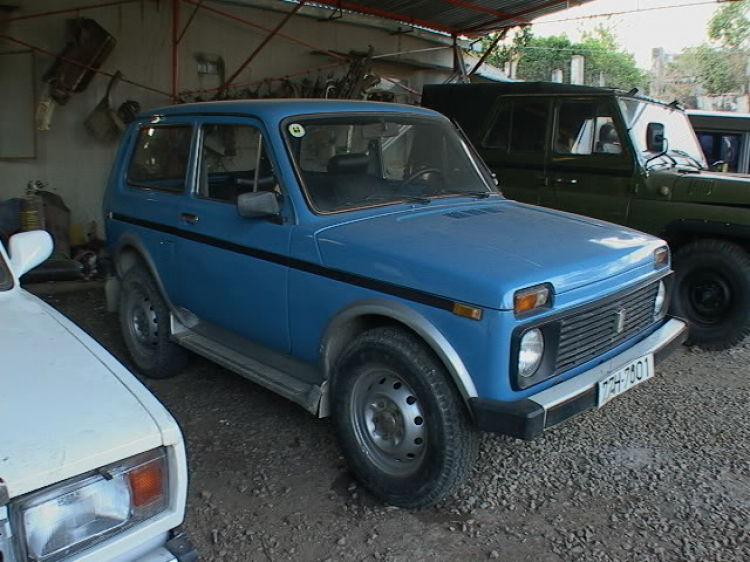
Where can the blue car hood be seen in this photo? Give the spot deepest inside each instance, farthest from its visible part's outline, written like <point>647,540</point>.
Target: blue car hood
<point>482,253</point>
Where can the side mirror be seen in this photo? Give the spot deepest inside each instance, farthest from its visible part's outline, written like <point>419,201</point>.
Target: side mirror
<point>655,137</point>
<point>256,204</point>
<point>29,249</point>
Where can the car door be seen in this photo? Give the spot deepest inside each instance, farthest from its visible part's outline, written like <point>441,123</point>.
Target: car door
<point>150,185</point>
<point>514,146</point>
<point>590,169</point>
<point>234,270</point>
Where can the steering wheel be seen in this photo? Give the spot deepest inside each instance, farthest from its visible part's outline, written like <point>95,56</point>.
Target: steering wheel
<point>420,172</point>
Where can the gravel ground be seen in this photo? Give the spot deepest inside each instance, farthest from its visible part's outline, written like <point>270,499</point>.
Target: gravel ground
<point>659,474</point>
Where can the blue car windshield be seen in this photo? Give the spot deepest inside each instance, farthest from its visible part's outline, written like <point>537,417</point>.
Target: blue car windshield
<point>353,161</point>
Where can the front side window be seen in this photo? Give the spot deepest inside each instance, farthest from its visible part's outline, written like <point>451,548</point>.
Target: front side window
<point>6,281</point>
<point>520,126</point>
<point>354,161</point>
<point>233,161</point>
<point>160,158</point>
<point>586,127</point>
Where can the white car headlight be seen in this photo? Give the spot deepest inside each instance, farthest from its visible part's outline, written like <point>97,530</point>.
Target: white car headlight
<point>661,299</point>
<point>530,352</point>
<point>71,516</point>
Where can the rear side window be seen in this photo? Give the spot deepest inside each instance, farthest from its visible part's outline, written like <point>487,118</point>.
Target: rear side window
<point>160,158</point>
<point>520,126</point>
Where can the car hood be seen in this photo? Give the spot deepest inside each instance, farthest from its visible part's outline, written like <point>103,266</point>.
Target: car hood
<point>713,187</point>
<point>65,412</point>
<point>481,253</point>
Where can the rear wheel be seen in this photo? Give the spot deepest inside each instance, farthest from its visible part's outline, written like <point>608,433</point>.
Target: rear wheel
<point>144,320</point>
<point>712,291</point>
<point>401,425</point>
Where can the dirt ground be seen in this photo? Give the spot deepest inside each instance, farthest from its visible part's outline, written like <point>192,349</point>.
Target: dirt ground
<point>661,473</point>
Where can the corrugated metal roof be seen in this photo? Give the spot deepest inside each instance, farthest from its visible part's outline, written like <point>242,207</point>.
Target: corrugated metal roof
<point>457,17</point>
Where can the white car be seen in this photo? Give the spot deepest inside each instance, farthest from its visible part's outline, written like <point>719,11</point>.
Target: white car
<point>92,466</point>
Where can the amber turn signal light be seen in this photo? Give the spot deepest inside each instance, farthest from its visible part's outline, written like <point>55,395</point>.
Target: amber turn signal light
<point>146,483</point>
<point>531,298</point>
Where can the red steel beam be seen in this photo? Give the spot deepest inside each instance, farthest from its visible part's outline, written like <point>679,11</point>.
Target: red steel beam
<point>76,63</point>
<point>69,10</point>
<point>488,52</point>
<point>258,26</point>
<point>260,47</point>
<point>189,21</point>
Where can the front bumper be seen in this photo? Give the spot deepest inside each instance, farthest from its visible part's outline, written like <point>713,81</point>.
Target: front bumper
<point>528,418</point>
<point>176,549</point>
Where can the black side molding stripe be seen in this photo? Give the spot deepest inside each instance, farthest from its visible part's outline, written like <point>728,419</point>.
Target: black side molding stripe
<point>405,293</point>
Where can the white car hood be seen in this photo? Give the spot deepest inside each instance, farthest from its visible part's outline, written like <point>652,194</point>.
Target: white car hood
<point>66,407</point>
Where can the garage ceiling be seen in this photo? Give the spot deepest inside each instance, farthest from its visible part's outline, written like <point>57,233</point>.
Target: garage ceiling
<point>457,17</point>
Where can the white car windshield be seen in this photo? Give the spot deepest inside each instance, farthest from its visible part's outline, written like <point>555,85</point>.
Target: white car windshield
<point>681,143</point>
<point>354,161</point>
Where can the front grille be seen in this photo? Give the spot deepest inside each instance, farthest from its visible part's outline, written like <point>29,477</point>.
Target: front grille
<point>594,331</point>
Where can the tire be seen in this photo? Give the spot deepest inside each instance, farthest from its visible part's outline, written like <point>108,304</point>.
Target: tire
<point>402,426</point>
<point>712,292</point>
<point>144,321</point>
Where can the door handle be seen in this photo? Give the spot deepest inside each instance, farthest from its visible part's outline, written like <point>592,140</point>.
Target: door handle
<point>563,181</point>
<point>189,218</point>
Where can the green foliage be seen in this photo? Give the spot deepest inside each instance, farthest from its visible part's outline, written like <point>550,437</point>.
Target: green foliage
<point>605,62</point>
<point>717,70</point>
<point>730,25</point>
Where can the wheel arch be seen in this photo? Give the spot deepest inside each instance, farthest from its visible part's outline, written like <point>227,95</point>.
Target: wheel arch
<point>131,252</point>
<point>371,313</point>
<point>683,231</point>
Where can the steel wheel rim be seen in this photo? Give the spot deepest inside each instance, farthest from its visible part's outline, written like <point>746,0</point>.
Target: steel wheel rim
<point>710,296</point>
<point>389,422</point>
<point>141,319</point>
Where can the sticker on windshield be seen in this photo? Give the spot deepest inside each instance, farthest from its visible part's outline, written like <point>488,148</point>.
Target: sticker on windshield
<point>296,130</point>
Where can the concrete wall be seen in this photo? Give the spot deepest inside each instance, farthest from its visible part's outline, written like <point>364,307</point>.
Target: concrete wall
<point>76,164</point>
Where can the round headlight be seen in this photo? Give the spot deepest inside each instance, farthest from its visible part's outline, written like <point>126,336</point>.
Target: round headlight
<point>530,352</point>
<point>661,298</point>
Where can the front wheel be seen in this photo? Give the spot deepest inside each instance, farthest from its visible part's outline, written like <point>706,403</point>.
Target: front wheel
<point>712,291</point>
<point>144,320</point>
<point>403,428</point>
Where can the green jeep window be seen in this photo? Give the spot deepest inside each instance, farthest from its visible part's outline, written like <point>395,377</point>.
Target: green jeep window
<point>520,126</point>
<point>586,127</point>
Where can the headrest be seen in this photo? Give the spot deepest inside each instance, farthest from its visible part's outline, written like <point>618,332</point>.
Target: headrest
<point>353,163</point>
<point>608,134</point>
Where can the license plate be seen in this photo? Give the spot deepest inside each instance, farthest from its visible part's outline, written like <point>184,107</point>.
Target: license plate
<point>625,378</point>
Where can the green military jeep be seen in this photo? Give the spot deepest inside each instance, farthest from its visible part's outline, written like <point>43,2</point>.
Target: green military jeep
<point>627,159</point>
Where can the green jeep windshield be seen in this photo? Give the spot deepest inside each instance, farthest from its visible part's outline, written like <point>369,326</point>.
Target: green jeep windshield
<point>682,144</point>
<point>354,161</point>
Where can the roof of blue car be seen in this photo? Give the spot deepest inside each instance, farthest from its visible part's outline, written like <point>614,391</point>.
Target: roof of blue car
<point>280,108</point>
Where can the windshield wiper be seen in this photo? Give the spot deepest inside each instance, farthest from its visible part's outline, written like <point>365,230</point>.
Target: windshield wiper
<point>688,156</point>
<point>474,194</point>
<point>415,199</point>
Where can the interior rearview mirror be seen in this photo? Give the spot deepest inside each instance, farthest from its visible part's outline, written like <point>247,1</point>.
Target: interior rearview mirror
<point>256,204</point>
<point>655,137</point>
<point>379,130</point>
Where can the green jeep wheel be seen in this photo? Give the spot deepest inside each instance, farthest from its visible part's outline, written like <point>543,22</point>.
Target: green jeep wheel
<point>712,291</point>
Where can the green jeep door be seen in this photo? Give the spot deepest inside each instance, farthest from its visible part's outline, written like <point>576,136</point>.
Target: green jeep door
<point>514,147</point>
<point>589,168</point>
